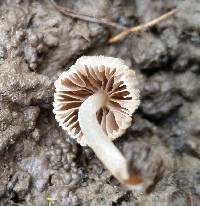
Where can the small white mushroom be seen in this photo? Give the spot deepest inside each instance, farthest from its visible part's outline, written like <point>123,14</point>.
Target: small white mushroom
<point>93,102</point>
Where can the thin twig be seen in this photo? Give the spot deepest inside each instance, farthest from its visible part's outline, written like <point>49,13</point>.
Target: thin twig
<point>141,27</point>
<point>83,17</point>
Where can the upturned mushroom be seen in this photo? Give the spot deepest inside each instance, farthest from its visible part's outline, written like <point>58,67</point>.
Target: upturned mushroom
<point>93,102</point>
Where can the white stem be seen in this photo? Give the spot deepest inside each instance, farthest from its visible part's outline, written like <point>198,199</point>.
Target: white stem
<point>98,140</point>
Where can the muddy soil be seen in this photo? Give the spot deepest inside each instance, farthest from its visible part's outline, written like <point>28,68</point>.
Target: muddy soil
<point>40,165</point>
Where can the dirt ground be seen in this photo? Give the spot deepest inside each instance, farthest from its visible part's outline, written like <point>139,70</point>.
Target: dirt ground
<point>40,165</point>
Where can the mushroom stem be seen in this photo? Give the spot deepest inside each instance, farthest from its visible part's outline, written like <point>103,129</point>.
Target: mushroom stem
<point>96,138</point>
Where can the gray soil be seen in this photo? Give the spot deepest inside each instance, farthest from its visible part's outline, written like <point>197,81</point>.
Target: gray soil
<point>40,165</point>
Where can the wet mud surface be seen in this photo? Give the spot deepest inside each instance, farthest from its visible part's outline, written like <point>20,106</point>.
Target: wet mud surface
<point>39,163</point>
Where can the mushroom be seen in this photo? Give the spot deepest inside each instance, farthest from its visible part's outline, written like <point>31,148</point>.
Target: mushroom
<point>93,102</point>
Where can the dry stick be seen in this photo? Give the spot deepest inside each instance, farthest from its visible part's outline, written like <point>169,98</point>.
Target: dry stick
<point>83,17</point>
<point>141,27</point>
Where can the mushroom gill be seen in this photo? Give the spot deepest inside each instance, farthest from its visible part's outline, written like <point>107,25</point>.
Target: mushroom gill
<point>91,75</point>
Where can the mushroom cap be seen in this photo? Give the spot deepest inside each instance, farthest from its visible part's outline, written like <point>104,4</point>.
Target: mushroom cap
<point>87,76</point>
